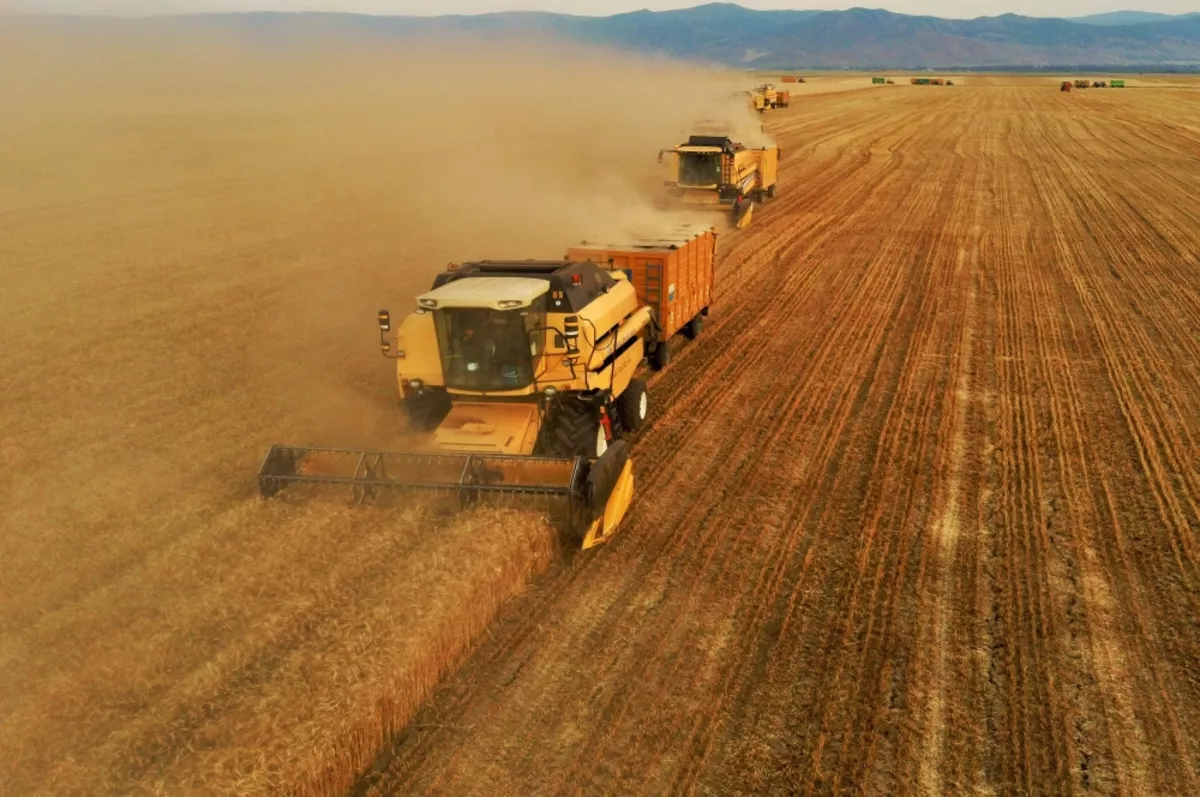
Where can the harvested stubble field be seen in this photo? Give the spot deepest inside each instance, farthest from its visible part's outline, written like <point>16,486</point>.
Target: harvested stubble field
<point>919,513</point>
<point>195,235</point>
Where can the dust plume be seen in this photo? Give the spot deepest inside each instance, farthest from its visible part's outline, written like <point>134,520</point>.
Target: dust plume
<point>199,225</point>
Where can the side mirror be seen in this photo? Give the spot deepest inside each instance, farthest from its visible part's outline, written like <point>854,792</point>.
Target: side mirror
<point>660,156</point>
<point>385,326</point>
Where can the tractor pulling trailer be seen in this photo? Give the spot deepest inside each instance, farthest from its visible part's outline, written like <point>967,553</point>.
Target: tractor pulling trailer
<point>521,375</point>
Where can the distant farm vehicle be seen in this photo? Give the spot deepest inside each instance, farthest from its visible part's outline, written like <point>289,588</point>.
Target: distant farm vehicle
<point>783,98</point>
<point>949,82</point>
<point>1066,86</point>
<point>788,80</point>
<point>891,82</point>
<point>770,96</point>
<point>1117,84</point>
<point>711,172</point>
<point>878,81</point>
<point>1082,84</point>
<point>937,81</point>
<point>1099,84</point>
<point>673,277</point>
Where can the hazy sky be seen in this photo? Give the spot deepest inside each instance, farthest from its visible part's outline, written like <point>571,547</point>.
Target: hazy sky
<point>945,8</point>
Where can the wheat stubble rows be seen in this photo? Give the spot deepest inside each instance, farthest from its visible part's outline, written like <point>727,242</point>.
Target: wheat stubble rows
<point>919,512</point>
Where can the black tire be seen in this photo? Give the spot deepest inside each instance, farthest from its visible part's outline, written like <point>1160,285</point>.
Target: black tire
<point>426,410</point>
<point>771,192</point>
<point>660,356</point>
<point>632,405</point>
<point>694,327</point>
<point>571,430</point>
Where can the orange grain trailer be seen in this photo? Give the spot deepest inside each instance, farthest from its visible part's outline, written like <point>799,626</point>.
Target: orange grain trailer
<point>673,275</point>
<point>788,79</point>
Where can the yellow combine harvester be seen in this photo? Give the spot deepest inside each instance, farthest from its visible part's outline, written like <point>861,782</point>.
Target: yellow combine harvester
<point>713,172</point>
<point>522,374</point>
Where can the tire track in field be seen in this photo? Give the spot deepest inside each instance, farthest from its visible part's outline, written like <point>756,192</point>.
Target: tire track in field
<point>699,390</point>
<point>634,530</point>
<point>1137,721</point>
<point>789,608</point>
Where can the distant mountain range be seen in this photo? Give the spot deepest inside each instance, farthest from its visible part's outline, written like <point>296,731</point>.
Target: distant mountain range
<point>858,38</point>
<point>1128,18</point>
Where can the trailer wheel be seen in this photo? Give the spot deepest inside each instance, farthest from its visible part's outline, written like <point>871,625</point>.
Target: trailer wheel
<point>693,328</point>
<point>633,405</point>
<point>573,429</point>
<point>660,356</point>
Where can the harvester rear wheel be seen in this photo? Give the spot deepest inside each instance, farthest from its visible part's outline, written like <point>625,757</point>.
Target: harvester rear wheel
<point>633,405</point>
<point>660,356</point>
<point>693,328</point>
<point>573,429</point>
<point>771,192</point>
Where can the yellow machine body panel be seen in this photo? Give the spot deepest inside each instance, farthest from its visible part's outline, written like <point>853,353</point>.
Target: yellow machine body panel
<point>416,351</point>
<point>768,166</point>
<point>615,508</point>
<point>489,428</point>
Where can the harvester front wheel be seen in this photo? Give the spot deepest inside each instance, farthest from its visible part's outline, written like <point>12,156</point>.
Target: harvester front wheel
<point>693,328</point>
<point>633,405</point>
<point>573,429</point>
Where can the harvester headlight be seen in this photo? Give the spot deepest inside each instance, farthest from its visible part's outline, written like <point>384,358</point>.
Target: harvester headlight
<point>430,304</point>
<point>416,384</point>
<point>472,367</point>
<point>551,391</point>
<point>508,304</point>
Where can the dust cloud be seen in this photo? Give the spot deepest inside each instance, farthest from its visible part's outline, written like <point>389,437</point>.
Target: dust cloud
<point>201,221</point>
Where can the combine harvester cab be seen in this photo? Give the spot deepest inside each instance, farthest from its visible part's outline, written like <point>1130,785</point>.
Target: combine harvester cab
<point>521,373</point>
<point>674,276</point>
<point>715,173</point>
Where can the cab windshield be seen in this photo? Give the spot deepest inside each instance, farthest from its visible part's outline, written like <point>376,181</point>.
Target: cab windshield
<point>699,168</point>
<point>490,350</point>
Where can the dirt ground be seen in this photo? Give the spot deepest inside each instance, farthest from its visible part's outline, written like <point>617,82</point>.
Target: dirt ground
<point>920,511</point>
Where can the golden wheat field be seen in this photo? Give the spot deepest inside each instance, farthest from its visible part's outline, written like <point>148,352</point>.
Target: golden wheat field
<point>196,235</point>
<point>917,514</point>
